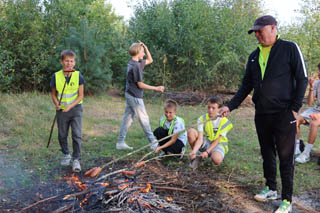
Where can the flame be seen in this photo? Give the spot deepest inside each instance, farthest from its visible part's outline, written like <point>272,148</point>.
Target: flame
<point>147,205</point>
<point>105,184</point>
<point>123,186</point>
<point>169,199</point>
<point>76,181</point>
<point>148,189</point>
<point>82,202</point>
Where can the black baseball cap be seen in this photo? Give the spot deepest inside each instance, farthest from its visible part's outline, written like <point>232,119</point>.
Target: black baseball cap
<point>261,22</point>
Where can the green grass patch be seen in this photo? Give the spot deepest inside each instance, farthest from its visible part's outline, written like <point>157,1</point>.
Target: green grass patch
<point>26,121</point>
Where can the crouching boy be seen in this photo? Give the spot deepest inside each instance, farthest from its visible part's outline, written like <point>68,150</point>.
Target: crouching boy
<point>211,138</point>
<point>170,124</point>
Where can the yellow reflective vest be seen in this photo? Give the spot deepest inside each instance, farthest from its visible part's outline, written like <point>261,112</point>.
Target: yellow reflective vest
<point>224,126</point>
<point>173,122</point>
<point>71,91</point>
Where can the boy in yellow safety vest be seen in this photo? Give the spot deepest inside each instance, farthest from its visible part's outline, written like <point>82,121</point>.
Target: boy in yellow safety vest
<point>170,124</point>
<point>211,137</point>
<point>69,85</point>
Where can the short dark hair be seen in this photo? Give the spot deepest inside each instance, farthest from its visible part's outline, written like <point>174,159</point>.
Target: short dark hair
<point>319,66</point>
<point>171,104</point>
<point>65,53</point>
<point>216,100</point>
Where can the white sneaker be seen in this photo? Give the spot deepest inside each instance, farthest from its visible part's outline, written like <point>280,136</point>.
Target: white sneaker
<point>285,207</point>
<point>76,166</point>
<point>65,161</point>
<point>297,152</point>
<point>154,145</point>
<point>303,158</point>
<point>266,194</point>
<point>123,146</point>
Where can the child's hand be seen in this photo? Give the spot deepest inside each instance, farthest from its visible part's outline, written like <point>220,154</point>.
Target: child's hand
<point>67,109</point>
<point>157,149</point>
<point>160,89</point>
<point>192,155</point>
<point>311,81</point>
<point>315,116</point>
<point>142,44</point>
<point>204,155</point>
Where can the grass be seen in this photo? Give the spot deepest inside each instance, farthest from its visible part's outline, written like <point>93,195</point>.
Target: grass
<point>25,122</point>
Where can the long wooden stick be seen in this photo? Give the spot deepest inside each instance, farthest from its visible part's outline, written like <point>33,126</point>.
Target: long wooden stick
<point>40,201</point>
<point>162,139</point>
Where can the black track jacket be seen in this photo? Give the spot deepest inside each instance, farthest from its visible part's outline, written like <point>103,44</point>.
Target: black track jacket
<point>284,83</point>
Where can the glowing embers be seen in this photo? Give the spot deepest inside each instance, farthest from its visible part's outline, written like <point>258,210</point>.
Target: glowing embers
<point>75,181</point>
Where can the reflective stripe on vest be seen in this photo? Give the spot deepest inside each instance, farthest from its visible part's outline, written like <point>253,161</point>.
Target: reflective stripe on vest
<point>71,91</point>
<point>173,122</point>
<point>224,126</point>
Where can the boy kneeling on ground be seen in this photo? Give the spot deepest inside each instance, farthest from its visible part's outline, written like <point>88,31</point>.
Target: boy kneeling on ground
<point>170,124</point>
<point>211,137</point>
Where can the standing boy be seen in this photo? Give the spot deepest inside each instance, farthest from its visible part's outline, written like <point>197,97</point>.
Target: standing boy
<point>211,137</point>
<point>171,124</point>
<point>134,95</point>
<point>68,84</point>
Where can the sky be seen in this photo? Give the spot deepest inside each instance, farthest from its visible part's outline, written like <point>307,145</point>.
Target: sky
<point>283,10</point>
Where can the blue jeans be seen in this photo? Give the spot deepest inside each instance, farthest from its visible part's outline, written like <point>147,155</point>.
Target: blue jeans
<point>135,107</point>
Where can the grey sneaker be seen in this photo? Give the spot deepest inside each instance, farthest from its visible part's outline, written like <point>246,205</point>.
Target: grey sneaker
<point>123,146</point>
<point>76,166</point>
<point>266,194</point>
<point>65,161</point>
<point>285,207</point>
<point>194,163</point>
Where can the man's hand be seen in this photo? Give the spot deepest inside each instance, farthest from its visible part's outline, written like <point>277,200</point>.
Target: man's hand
<point>294,114</point>
<point>57,107</point>
<point>224,111</point>
<point>160,89</point>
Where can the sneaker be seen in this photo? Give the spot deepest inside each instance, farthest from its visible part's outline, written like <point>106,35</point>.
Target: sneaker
<point>123,146</point>
<point>182,152</point>
<point>194,163</point>
<point>76,166</point>
<point>297,152</point>
<point>266,194</point>
<point>285,207</point>
<point>65,161</point>
<point>303,158</point>
<point>154,145</point>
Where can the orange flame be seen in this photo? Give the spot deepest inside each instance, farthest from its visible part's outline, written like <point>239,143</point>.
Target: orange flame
<point>169,199</point>
<point>122,187</point>
<point>82,202</point>
<point>147,205</point>
<point>148,189</point>
<point>76,181</point>
<point>105,184</point>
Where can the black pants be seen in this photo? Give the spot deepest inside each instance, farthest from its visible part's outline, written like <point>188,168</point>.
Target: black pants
<point>175,148</point>
<point>276,133</point>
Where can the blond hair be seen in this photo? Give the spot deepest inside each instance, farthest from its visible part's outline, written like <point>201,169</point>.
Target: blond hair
<point>170,104</point>
<point>134,49</point>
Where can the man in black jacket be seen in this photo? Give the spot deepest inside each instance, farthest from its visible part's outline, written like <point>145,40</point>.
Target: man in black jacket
<point>276,72</point>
